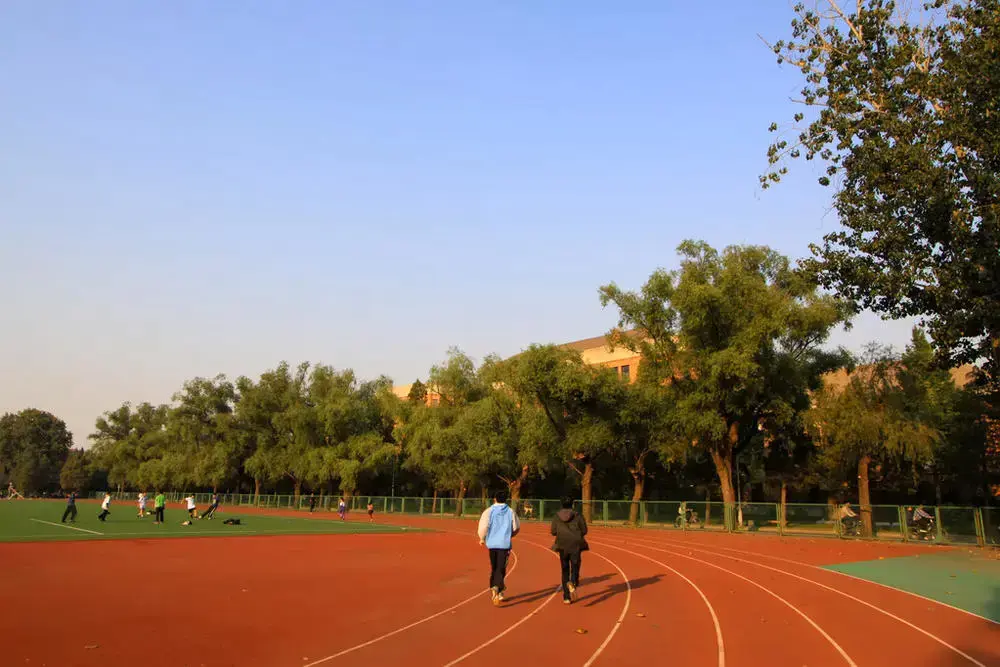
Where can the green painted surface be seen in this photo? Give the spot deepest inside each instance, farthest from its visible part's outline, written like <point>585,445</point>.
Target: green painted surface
<point>39,521</point>
<point>965,579</point>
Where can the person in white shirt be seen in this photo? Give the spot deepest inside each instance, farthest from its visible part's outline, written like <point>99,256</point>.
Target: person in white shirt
<point>191,508</point>
<point>105,507</point>
<point>142,505</point>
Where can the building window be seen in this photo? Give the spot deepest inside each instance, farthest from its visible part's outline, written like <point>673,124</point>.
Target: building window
<point>625,372</point>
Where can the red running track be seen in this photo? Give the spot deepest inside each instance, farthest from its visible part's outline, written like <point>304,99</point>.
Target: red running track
<point>647,597</point>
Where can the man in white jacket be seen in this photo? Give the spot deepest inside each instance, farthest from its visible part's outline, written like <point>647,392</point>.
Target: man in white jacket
<point>497,525</point>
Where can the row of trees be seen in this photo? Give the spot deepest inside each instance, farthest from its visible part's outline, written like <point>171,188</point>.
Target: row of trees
<point>735,395</point>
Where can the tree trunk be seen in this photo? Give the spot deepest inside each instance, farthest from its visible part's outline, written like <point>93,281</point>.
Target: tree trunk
<point>298,492</point>
<point>723,460</point>
<point>831,507</point>
<point>586,484</point>
<point>434,502</point>
<point>783,519</point>
<point>639,478</point>
<point>937,487</point>
<point>515,486</point>
<point>864,496</point>
<point>256,490</point>
<point>460,498</point>
<point>708,507</point>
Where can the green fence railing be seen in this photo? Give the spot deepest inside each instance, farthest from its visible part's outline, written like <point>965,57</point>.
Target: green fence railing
<point>948,525</point>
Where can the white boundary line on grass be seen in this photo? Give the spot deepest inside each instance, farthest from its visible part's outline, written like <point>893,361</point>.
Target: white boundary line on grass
<point>62,525</point>
<point>407,627</point>
<point>811,581</point>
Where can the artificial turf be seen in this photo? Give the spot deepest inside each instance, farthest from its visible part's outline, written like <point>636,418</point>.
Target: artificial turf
<point>39,521</point>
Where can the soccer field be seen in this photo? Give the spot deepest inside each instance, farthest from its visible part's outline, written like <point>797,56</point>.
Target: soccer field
<point>39,521</point>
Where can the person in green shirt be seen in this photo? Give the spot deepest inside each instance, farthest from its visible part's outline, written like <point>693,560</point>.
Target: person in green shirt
<point>159,503</point>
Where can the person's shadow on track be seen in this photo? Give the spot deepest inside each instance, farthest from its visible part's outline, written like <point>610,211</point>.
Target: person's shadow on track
<point>617,589</point>
<point>533,596</point>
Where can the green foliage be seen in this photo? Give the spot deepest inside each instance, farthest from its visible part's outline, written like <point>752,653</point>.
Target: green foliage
<point>33,446</point>
<point>907,111</point>
<point>77,472</point>
<point>733,341</point>
<point>417,393</point>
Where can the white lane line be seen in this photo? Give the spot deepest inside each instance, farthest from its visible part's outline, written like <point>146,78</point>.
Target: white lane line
<point>407,627</point>
<point>844,574</point>
<point>63,525</point>
<point>767,590</point>
<point>711,610</point>
<point>510,629</point>
<point>829,588</point>
<point>621,617</point>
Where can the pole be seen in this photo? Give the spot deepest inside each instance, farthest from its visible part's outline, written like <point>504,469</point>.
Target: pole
<point>393,491</point>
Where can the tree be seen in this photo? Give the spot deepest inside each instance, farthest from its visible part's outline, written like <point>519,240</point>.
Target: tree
<point>644,426</point>
<point>868,420</point>
<point>33,446</point>
<point>907,123</point>
<point>77,473</point>
<point>417,393</point>
<point>130,442</point>
<point>578,401</point>
<point>733,338</point>
<point>259,427</point>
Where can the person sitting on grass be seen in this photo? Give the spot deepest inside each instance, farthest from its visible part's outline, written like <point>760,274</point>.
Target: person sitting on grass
<point>569,529</point>
<point>210,512</point>
<point>105,507</point>
<point>70,508</point>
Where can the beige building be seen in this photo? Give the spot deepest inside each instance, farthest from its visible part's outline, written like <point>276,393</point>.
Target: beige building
<point>594,351</point>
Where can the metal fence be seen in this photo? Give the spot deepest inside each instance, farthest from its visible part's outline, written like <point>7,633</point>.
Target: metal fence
<point>947,525</point>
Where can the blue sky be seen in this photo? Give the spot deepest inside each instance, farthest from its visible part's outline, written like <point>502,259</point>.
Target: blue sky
<point>192,188</point>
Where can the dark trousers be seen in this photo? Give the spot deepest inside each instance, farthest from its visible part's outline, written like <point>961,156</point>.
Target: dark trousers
<point>70,512</point>
<point>210,511</point>
<point>158,513</point>
<point>570,564</point>
<point>103,514</point>
<point>498,568</point>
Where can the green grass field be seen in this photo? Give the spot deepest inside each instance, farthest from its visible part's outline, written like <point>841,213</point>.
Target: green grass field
<point>39,521</point>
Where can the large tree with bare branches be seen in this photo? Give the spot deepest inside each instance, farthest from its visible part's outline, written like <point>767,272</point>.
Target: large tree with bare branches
<point>903,107</point>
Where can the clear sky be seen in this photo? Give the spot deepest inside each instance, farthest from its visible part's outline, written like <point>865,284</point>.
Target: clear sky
<point>190,188</point>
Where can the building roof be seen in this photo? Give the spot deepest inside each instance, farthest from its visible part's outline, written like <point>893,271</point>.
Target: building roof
<point>596,341</point>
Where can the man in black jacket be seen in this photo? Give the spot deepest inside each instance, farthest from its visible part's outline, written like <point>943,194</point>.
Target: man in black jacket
<point>569,529</point>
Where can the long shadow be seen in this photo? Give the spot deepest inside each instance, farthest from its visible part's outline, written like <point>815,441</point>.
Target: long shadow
<point>527,598</point>
<point>532,596</point>
<point>619,588</point>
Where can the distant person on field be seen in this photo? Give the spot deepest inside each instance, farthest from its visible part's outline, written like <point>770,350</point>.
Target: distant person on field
<point>342,509</point>
<point>105,507</point>
<point>159,504</point>
<point>141,501</point>
<point>312,503</point>
<point>497,525</point>
<point>12,492</point>
<point>210,512</point>
<point>569,529</point>
<point>70,508</point>
<point>192,508</point>
<point>371,512</point>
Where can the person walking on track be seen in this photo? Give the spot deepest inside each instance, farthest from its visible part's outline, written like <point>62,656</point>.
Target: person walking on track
<point>569,529</point>
<point>497,525</point>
